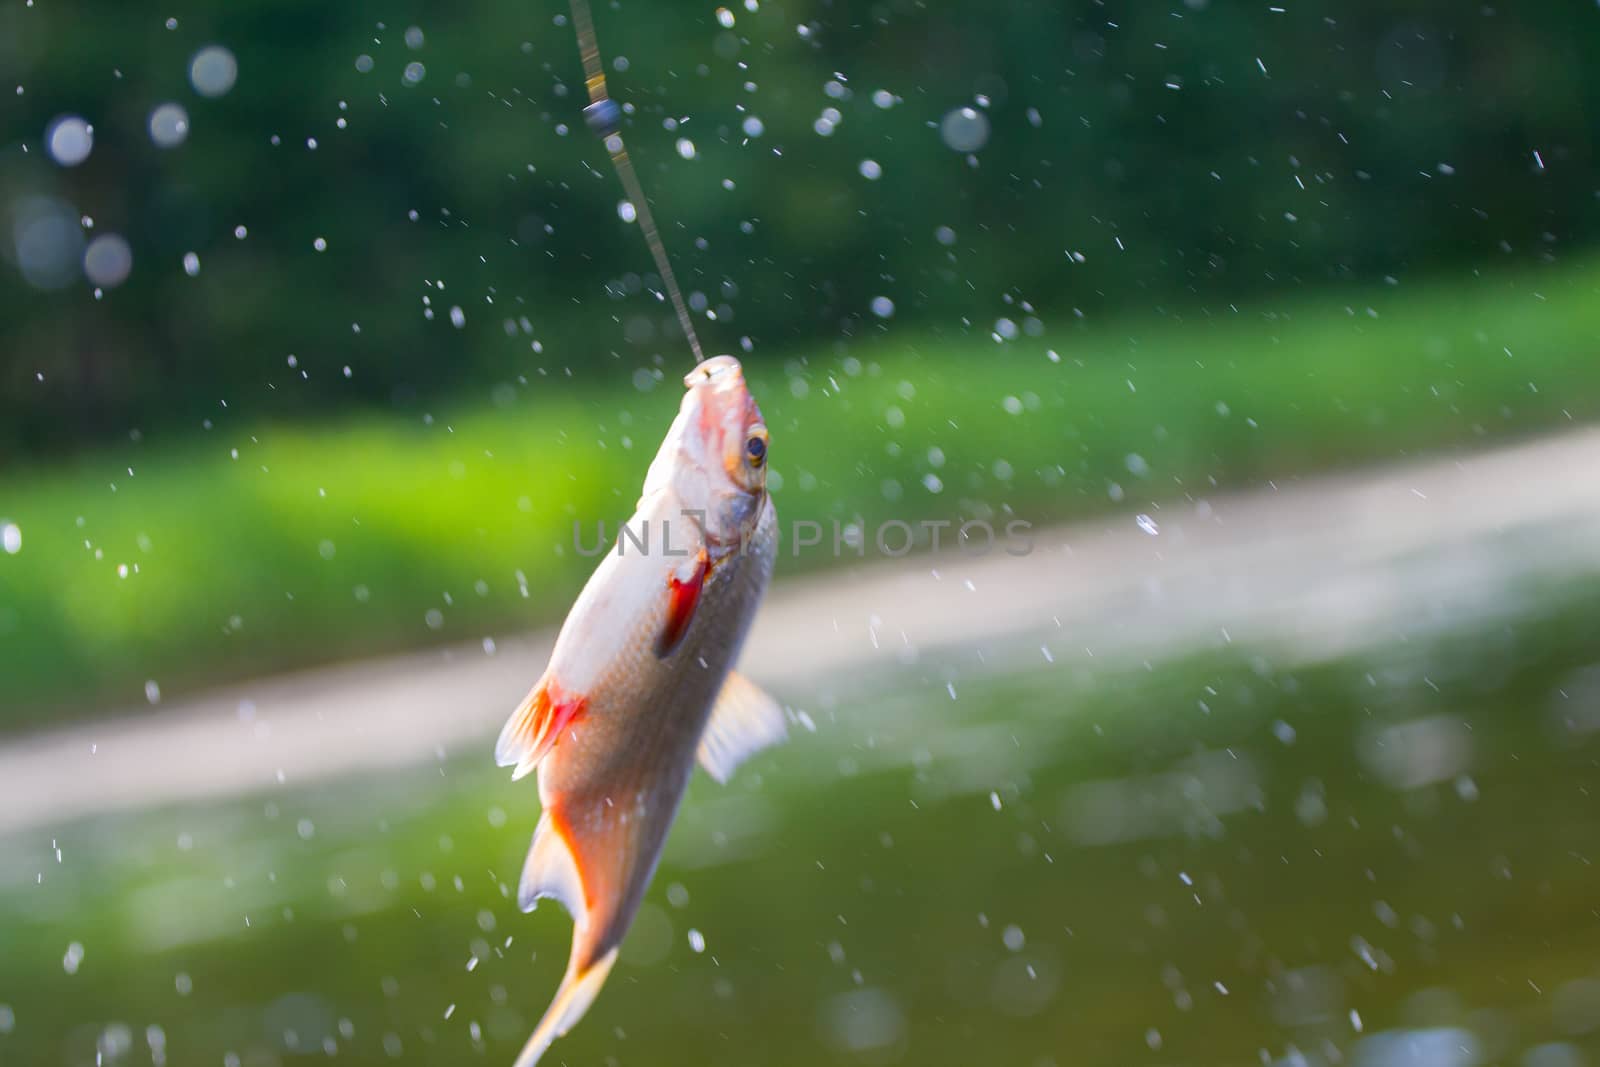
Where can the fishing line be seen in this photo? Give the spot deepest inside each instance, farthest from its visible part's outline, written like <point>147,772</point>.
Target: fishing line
<point>604,117</point>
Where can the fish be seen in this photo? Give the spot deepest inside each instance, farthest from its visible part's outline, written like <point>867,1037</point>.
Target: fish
<point>640,685</point>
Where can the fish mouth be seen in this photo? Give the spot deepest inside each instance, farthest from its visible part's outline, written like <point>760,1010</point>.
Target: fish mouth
<point>727,411</point>
<point>722,417</point>
<point>717,369</point>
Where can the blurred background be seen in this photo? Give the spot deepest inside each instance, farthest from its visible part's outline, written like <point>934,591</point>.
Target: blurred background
<point>322,325</point>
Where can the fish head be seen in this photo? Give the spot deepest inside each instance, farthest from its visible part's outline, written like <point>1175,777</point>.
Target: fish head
<point>725,430</point>
<point>715,455</point>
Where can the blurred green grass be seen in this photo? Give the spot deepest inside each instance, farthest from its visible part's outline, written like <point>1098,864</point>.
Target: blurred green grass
<point>244,548</point>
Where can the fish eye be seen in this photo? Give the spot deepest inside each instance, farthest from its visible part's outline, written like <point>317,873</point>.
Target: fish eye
<point>756,448</point>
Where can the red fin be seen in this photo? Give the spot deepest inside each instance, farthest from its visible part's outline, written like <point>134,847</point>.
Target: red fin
<point>582,871</point>
<point>595,847</point>
<point>535,726</point>
<point>684,597</point>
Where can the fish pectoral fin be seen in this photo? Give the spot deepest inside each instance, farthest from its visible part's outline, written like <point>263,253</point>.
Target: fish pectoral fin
<point>551,872</point>
<point>744,720</point>
<point>577,992</point>
<point>683,596</point>
<point>535,726</point>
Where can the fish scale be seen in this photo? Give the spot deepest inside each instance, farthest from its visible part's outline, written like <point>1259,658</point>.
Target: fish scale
<point>626,741</point>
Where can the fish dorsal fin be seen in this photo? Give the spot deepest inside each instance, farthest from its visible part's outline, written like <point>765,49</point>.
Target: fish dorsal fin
<point>744,721</point>
<point>551,872</point>
<point>535,726</point>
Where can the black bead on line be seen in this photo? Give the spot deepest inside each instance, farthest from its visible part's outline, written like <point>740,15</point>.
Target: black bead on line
<point>604,117</point>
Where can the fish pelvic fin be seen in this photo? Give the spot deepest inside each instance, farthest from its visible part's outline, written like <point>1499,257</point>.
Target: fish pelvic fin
<point>535,726</point>
<point>744,720</point>
<point>578,990</point>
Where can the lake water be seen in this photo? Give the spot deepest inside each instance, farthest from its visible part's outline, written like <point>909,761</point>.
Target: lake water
<point>1383,861</point>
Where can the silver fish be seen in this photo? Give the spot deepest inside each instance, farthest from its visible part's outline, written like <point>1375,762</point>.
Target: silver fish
<point>639,685</point>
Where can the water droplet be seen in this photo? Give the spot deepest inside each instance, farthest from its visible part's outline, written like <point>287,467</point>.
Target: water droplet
<point>70,139</point>
<point>686,148</point>
<point>169,125</point>
<point>626,211</point>
<point>414,73</point>
<point>754,127</point>
<point>108,260</point>
<point>414,37</point>
<point>1148,525</point>
<point>458,319</point>
<point>697,941</point>
<point>965,129</point>
<point>864,1021</point>
<point>725,18</point>
<point>882,307</point>
<point>10,538</point>
<point>870,170</point>
<point>213,70</point>
<point>191,264</point>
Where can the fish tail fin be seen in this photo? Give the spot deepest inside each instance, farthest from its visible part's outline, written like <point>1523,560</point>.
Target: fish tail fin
<point>575,870</point>
<point>578,990</point>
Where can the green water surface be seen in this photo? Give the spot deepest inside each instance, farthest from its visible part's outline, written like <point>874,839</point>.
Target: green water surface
<point>1387,860</point>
